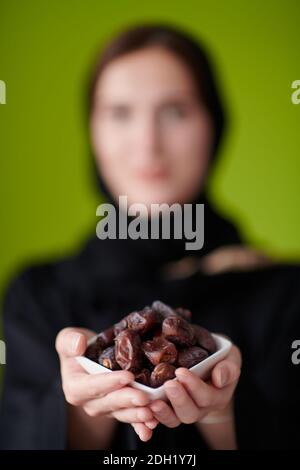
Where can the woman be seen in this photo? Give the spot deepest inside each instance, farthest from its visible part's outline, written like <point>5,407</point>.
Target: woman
<point>156,122</point>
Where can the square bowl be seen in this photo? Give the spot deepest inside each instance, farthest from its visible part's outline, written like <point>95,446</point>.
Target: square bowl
<point>202,369</point>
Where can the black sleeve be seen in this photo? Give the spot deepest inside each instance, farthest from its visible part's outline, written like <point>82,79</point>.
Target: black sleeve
<point>267,398</point>
<point>32,406</point>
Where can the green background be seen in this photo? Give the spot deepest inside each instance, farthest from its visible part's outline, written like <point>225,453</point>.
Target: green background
<point>48,201</point>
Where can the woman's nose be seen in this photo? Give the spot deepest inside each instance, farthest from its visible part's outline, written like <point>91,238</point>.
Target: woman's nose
<point>147,138</point>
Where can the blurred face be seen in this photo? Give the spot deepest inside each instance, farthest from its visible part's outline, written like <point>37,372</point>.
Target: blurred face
<point>151,136</point>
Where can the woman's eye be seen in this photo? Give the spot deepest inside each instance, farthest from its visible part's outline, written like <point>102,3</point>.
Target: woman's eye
<point>174,112</point>
<point>120,113</point>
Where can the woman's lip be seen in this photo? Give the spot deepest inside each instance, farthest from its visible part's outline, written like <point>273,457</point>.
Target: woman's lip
<point>152,174</point>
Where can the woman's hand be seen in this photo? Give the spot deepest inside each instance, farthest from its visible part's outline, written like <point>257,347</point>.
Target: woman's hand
<point>104,394</point>
<point>192,399</point>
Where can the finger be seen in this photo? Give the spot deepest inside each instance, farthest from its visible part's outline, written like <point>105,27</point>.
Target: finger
<point>127,397</point>
<point>80,387</point>
<point>134,415</point>
<point>142,431</point>
<point>164,414</point>
<point>151,424</point>
<point>228,371</point>
<point>203,395</point>
<point>72,342</point>
<point>234,355</point>
<point>183,405</point>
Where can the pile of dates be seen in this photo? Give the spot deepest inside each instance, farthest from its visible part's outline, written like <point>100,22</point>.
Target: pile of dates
<point>152,343</point>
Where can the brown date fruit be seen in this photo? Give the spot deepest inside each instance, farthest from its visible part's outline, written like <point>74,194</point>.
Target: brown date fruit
<point>160,350</point>
<point>128,350</point>
<point>178,330</point>
<point>184,313</point>
<point>93,351</point>
<point>121,325</point>
<point>143,321</point>
<point>143,376</point>
<point>108,359</point>
<point>161,373</point>
<point>191,356</point>
<point>204,339</point>
<point>162,309</point>
<point>106,338</point>
<point>152,342</point>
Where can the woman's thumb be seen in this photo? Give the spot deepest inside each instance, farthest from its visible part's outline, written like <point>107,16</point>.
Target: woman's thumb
<point>72,342</point>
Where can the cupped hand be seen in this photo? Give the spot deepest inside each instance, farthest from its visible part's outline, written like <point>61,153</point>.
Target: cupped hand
<point>191,399</point>
<point>106,394</point>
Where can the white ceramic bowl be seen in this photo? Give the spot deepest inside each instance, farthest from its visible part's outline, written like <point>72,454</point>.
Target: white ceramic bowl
<point>201,370</point>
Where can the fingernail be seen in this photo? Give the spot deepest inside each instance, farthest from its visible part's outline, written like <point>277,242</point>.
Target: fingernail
<point>75,342</point>
<point>223,377</point>
<point>152,425</point>
<point>181,373</point>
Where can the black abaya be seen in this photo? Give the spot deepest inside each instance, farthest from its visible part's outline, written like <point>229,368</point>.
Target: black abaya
<point>259,310</point>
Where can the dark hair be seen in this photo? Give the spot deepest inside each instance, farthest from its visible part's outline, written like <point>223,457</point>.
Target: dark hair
<point>183,46</point>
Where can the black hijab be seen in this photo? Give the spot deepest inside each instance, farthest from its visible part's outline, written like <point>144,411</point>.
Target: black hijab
<point>133,255</point>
